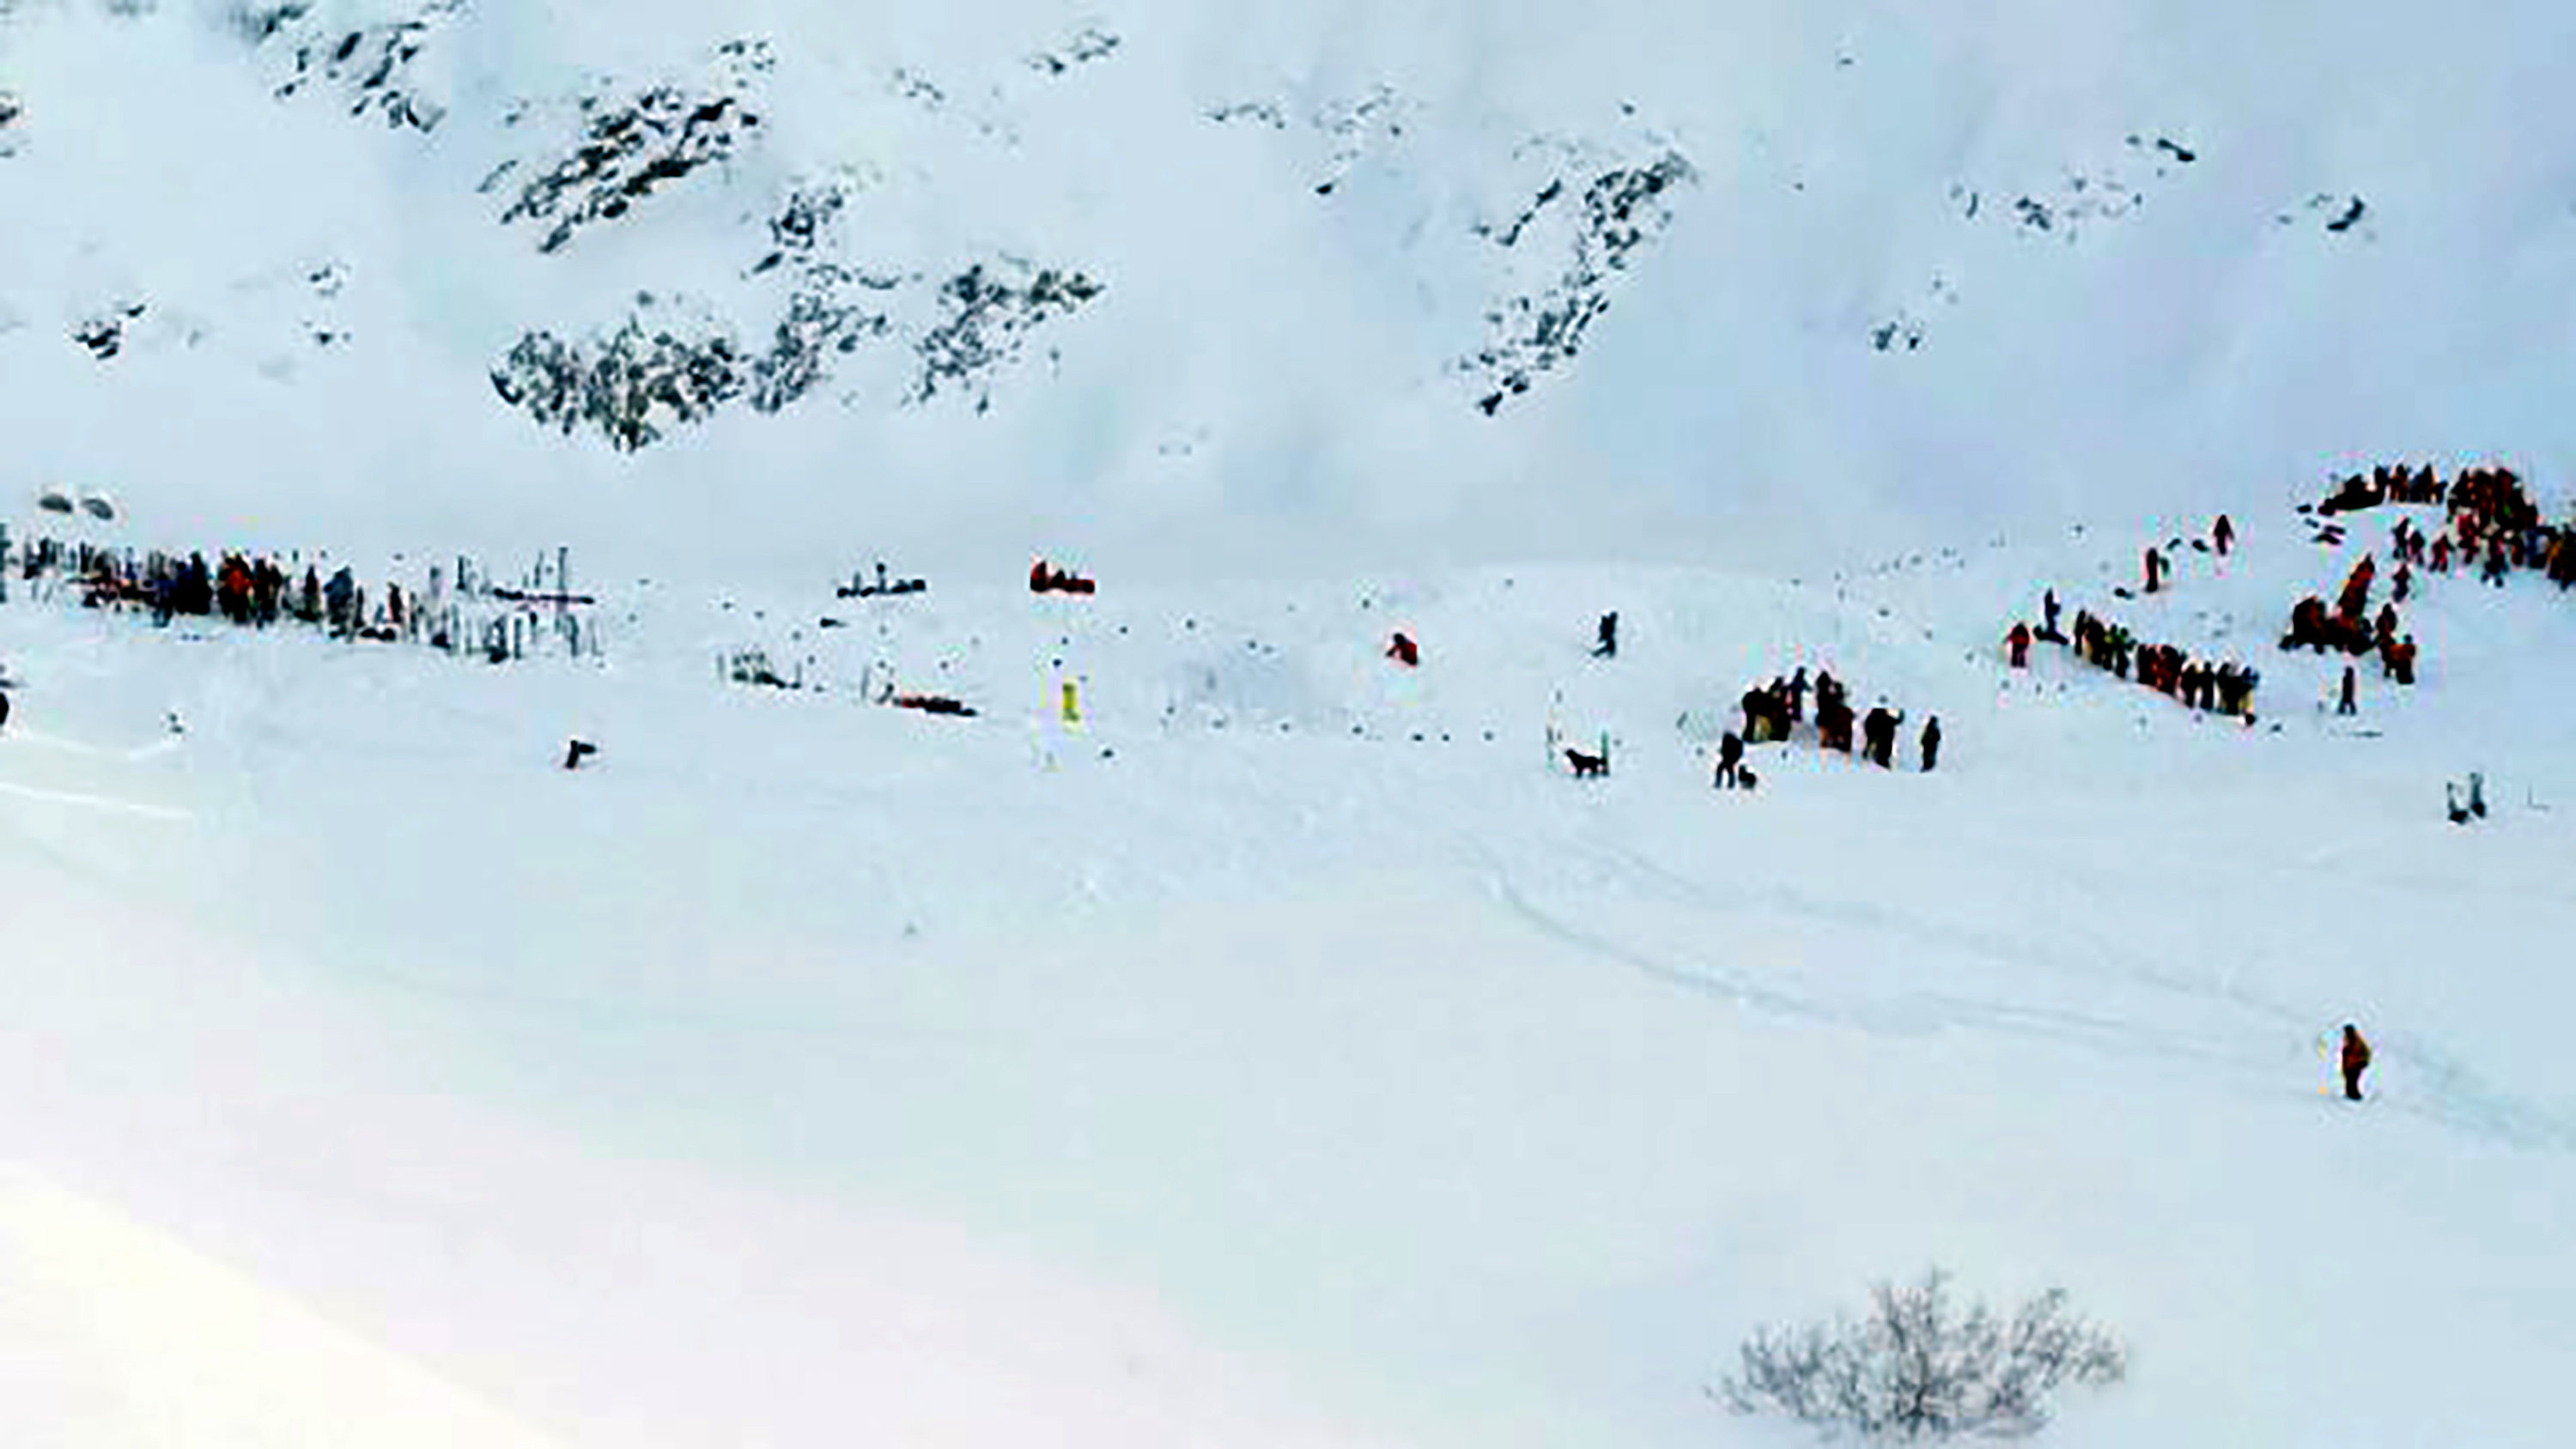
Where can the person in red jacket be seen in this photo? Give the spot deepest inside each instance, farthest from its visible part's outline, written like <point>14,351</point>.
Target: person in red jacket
<point>2017,643</point>
<point>1404,651</point>
<point>2356,1060</point>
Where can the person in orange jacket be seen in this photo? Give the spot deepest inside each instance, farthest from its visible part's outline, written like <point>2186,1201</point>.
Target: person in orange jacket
<point>2356,1060</point>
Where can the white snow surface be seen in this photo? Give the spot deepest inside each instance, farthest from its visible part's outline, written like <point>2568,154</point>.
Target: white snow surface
<point>1212,1073</point>
<point>1289,1053</point>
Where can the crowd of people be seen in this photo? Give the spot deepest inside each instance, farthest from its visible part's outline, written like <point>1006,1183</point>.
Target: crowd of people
<point>2490,523</point>
<point>2220,687</point>
<point>1773,711</point>
<point>259,591</point>
<point>2224,687</point>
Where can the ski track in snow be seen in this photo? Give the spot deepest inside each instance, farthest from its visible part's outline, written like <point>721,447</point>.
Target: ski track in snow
<point>108,804</point>
<point>2445,1091</point>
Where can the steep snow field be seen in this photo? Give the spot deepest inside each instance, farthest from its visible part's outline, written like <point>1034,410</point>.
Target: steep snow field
<point>1291,1053</point>
<point>1215,1074</point>
<point>1298,217</point>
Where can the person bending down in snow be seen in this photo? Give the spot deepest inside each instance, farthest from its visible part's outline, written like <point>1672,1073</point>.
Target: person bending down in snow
<point>2356,1060</point>
<point>1730,761</point>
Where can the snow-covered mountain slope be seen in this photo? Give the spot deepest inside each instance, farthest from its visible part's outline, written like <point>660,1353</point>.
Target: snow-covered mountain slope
<point>1289,1053</point>
<point>1275,1058</point>
<point>1206,288</point>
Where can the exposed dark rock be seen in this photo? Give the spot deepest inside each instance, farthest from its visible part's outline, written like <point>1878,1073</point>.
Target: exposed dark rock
<point>633,148</point>
<point>988,319</point>
<point>1088,44</point>
<point>1621,210</point>
<point>371,66</point>
<point>626,386</point>
<point>104,333</point>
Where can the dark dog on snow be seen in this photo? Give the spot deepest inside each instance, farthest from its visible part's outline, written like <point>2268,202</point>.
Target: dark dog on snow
<point>1587,767</point>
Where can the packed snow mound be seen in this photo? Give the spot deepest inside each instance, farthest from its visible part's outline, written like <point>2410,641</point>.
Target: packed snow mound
<point>1756,282</point>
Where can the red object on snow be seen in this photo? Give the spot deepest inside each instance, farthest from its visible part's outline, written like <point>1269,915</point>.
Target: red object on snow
<point>1045,578</point>
<point>1404,651</point>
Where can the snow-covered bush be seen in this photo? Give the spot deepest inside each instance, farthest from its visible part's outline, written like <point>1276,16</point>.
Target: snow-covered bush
<point>1916,1368</point>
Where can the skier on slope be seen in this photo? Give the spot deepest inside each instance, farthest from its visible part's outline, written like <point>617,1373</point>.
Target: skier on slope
<point>1730,760</point>
<point>1931,743</point>
<point>2356,1060</point>
<point>1608,648</point>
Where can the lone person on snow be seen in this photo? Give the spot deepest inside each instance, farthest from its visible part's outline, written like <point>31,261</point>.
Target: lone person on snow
<point>1931,743</point>
<point>2356,1060</point>
<point>1608,648</point>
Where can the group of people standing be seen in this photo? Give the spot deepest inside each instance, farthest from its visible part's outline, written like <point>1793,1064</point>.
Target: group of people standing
<point>2225,687</point>
<point>251,590</point>
<point>260,591</point>
<point>1773,711</point>
<point>2490,523</point>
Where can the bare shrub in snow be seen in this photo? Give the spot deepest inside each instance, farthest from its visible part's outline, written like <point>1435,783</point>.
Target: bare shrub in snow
<point>1917,1368</point>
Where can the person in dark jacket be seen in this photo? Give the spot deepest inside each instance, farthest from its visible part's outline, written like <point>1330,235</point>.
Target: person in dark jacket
<point>1608,648</point>
<point>2356,1060</point>
<point>1931,743</point>
<point>4,711</point>
<point>1730,761</point>
<point>2344,701</point>
<point>1878,736</point>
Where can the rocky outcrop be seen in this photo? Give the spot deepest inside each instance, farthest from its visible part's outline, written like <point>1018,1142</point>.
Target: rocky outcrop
<point>635,146</point>
<point>1600,223</point>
